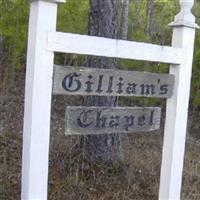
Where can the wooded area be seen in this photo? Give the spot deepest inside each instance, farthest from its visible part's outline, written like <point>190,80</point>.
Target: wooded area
<point>79,167</point>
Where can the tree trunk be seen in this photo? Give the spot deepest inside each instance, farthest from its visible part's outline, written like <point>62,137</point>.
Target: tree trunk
<point>150,19</point>
<point>1,44</point>
<point>124,33</point>
<point>1,53</point>
<point>149,25</point>
<point>102,23</point>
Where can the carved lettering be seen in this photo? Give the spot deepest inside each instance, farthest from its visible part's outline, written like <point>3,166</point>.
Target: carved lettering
<point>141,120</point>
<point>82,120</point>
<point>70,84</point>
<point>164,89</point>
<point>99,88</point>
<point>110,85</point>
<point>89,84</point>
<point>120,84</point>
<point>108,82</point>
<point>147,89</point>
<point>129,121</point>
<point>114,121</point>
<point>97,120</point>
<point>100,120</point>
<point>151,117</point>
<point>131,89</point>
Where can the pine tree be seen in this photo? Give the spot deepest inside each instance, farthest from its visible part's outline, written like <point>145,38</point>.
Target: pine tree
<point>103,23</point>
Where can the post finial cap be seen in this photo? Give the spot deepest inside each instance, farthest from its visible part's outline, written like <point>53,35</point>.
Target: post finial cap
<point>185,16</point>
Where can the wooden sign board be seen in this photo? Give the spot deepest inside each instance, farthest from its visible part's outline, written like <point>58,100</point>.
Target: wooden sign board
<point>106,120</point>
<point>109,82</point>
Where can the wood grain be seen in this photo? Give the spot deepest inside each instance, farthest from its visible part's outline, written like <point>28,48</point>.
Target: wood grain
<point>106,120</point>
<point>100,46</point>
<point>109,82</point>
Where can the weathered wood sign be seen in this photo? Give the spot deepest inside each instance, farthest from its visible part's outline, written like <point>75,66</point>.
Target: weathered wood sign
<point>97,120</point>
<point>109,82</point>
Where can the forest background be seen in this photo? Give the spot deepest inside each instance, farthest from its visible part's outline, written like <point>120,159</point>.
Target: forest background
<point>71,176</point>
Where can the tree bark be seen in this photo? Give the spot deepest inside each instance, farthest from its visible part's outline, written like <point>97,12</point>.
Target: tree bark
<point>149,25</point>
<point>1,53</point>
<point>102,23</point>
<point>124,33</point>
<point>150,19</point>
<point>1,45</point>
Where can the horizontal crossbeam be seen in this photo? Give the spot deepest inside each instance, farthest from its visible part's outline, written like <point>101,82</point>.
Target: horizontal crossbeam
<point>99,46</point>
<point>51,1</point>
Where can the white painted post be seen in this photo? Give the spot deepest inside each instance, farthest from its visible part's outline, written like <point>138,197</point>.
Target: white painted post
<point>177,106</point>
<point>38,100</point>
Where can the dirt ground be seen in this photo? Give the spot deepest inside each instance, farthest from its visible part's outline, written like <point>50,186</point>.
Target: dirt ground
<point>72,177</point>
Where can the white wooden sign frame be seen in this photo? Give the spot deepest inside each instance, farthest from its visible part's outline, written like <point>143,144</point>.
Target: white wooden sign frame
<point>43,41</point>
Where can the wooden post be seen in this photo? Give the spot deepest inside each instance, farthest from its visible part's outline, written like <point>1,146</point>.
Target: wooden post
<point>38,100</point>
<point>177,106</point>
